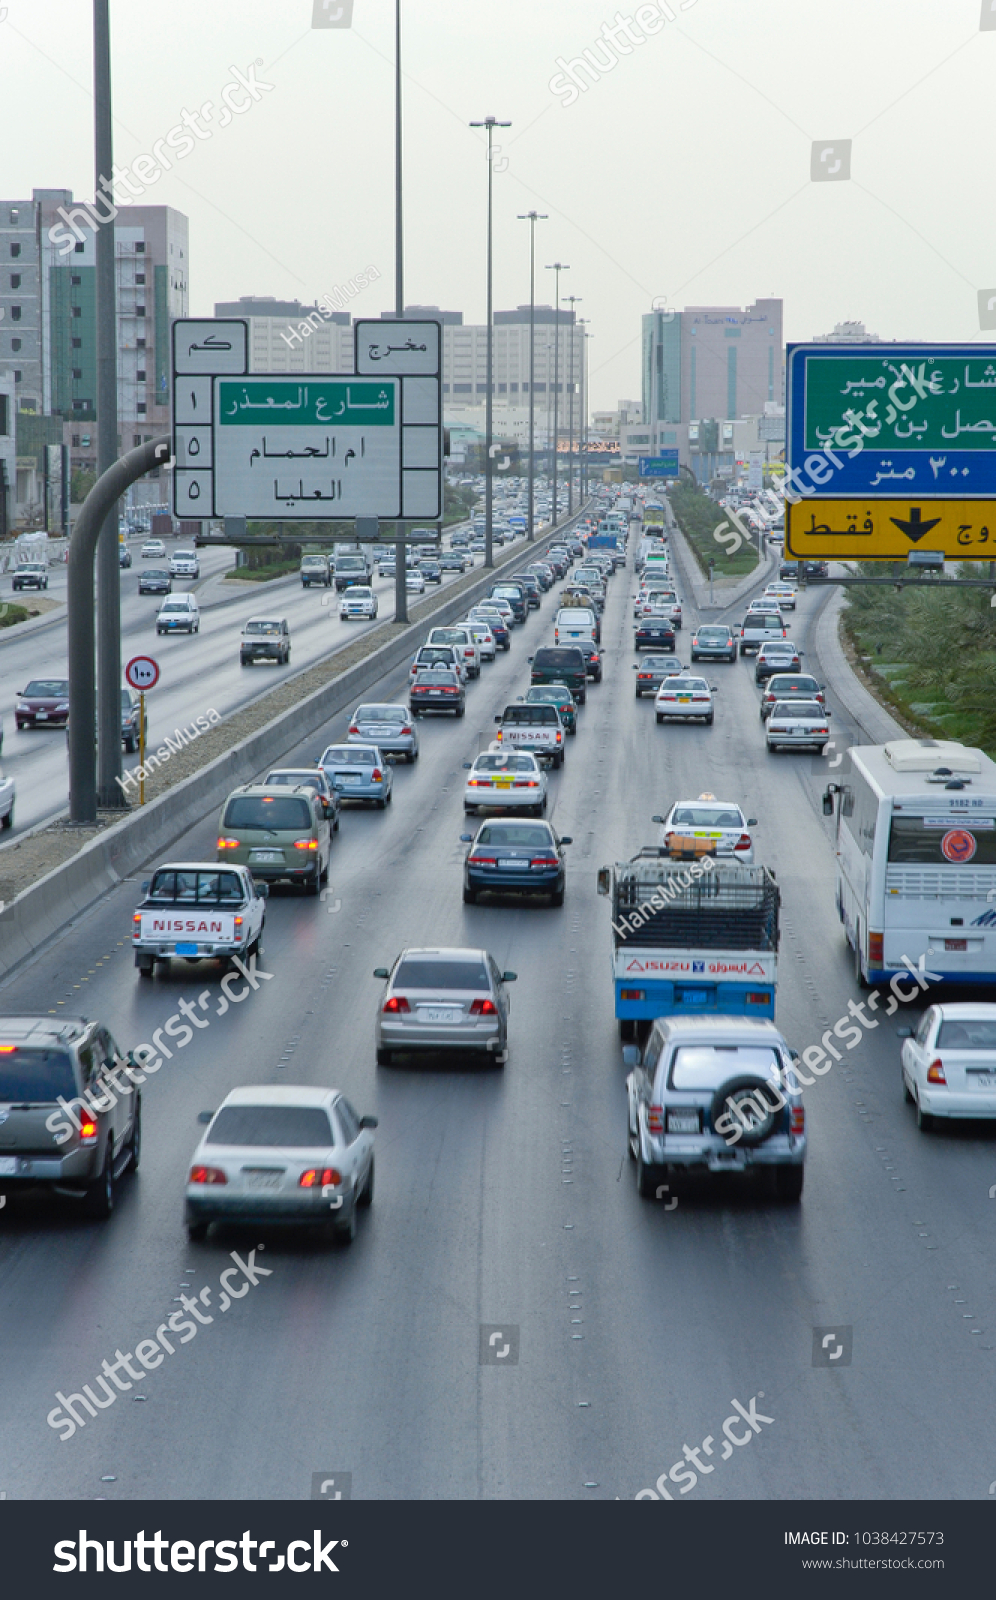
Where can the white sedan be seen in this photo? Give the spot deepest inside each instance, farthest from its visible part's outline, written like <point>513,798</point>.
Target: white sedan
<point>685,697</point>
<point>782,594</point>
<point>414,582</point>
<point>357,601</point>
<point>153,549</point>
<point>482,637</point>
<point>6,802</point>
<point>505,780</point>
<point>949,1062</point>
<point>797,722</point>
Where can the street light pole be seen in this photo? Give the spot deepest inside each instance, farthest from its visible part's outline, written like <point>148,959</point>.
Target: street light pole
<point>583,413</point>
<point>491,123</point>
<point>573,300</point>
<point>108,566</point>
<point>533,217</point>
<point>400,565</point>
<point>557,268</point>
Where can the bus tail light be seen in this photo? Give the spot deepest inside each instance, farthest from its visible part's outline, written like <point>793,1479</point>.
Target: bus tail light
<point>875,954</point>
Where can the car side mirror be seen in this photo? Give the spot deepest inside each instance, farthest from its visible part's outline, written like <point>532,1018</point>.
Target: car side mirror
<point>498,719</point>
<point>381,972</point>
<point>828,804</point>
<point>529,659</point>
<point>145,885</point>
<point>752,822</point>
<point>466,838</point>
<point>467,766</point>
<point>658,819</point>
<point>369,1122</point>
<point>204,1117</point>
<point>631,1055</point>
<point>509,977</point>
<point>566,838</point>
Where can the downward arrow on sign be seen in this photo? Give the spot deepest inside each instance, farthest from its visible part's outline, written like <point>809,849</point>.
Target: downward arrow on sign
<point>916,527</point>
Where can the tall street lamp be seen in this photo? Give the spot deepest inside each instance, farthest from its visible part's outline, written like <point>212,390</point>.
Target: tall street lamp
<point>108,567</point>
<point>557,267</point>
<point>491,123</point>
<point>533,217</point>
<point>400,564</point>
<point>573,300</point>
<point>583,411</point>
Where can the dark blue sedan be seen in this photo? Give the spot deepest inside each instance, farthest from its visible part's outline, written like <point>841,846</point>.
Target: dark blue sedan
<point>514,857</point>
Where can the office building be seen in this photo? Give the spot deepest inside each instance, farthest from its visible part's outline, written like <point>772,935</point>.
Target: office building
<point>286,336</point>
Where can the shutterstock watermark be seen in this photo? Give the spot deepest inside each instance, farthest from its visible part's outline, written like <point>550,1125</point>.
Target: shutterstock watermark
<point>735,1437</point>
<point>616,40</point>
<point>238,96</point>
<point>336,301</point>
<point>183,737</point>
<point>68,1414</point>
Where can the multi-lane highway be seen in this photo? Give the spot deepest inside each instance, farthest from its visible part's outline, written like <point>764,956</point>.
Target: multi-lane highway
<point>200,672</point>
<point>505,1197</point>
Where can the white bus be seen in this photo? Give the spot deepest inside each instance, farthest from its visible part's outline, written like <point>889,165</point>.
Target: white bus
<point>916,859</point>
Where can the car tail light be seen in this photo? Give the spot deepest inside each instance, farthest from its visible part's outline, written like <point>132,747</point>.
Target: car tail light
<point>526,783</point>
<point>305,844</point>
<point>397,1005</point>
<point>88,1130</point>
<point>206,1175</point>
<point>875,952</point>
<point>544,861</point>
<point>743,843</point>
<point>757,997</point>
<point>644,675</point>
<point>655,1119</point>
<point>319,1177</point>
<point>797,1120</point>
<point>481,861</point>
<point>935,1072</point>
<point>228,844</point>
<point>560,738</point>
<point>238,923</point>
<point>484,1008</point>
<point>376,775</point>
<point>136,928</point>
<point>353,728</point>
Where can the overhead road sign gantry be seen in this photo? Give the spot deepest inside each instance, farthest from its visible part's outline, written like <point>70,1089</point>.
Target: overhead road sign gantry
<point>664,465</point>
<point>887,530</point>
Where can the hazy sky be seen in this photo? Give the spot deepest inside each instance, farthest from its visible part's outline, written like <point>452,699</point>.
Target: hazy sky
<point>683,172</point>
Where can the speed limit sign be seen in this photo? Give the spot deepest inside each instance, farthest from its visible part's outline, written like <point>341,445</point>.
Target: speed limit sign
<point>142,673</point>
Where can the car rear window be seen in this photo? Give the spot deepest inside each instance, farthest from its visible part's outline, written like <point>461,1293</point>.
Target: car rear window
<point>706,1067</point>
<point>968,1033</point>
<point>46,688</point>
<point>714,635</point>
<point>530,716</point>
<point>28,1074</point>
<point>433,973</point>
<point>763,619</point>
<point>788,683</point>
<point>436,676</point>
<point>283,1127</point>
<point>267,811</point>
<point>706,817</point>
<point>268,630</point>
<point>566,660</point>
<point>381,714</point>
<point>170,887</point>
<point>349,755</point>
<point>516,834</point>
<point>505,761</point>
<point>687,685</point>
<point>798,708</point>
<point>294,780</point>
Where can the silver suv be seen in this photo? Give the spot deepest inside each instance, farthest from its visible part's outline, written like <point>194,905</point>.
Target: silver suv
<point>719,1094</point>
<point>70,1109</point>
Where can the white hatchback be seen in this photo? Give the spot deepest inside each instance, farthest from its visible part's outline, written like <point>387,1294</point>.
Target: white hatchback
<point>949,1062</point>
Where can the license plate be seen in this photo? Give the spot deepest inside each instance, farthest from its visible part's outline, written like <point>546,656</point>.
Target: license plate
<point>509,865</point>
<point>501,783</point>
<point>695,997</point>
<point>186,949</point>
<point>981,1080</point>
<point>41,716</point>
<point>443,1014</point>
<point>266,855</point>
<point>258,1179</point>
<point>350,777</point>
<point>684,699</point>
<point>682,1122</point>
<point>956,944</point>
<point>436,694</point>
<point>8,1166</point>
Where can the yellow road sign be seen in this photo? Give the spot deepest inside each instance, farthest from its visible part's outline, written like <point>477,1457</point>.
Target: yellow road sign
<point>887,530</point>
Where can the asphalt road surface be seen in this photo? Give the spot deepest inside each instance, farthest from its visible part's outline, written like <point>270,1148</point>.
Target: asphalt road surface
<point>505,1196</point>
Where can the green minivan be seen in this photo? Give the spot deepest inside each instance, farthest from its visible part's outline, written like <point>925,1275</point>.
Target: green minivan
<point>280,834</point>
<point>562,664</point>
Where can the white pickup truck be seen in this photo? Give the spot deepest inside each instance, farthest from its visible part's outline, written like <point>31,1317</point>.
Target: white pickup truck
<point>198,910</point>
<point>532,727</point>
<point>760,627</point>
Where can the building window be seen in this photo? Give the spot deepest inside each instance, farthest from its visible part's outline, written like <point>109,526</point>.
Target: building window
<point>140,375</point>
<point>18,375</point>
<point>15,280</point>
<point>140,277</point>
<point>75,280</point>
<point>13,213</point>
<point>76,441</point>
<point>463,388</point>
<point>80,248</point>
<point>446,388</point>
<point>77,311</point>
<point>731,333</point>
<point>140,311</point>
<point>15,344</point>
<point>15,313</point>
<point>15,250</point>
<point>77,344</point>
<point>77,372</point>
<point>503,388</point>
<point>482,388</point>
<point>136,438</point>
<point>140,249</point>
<point>731,382</point>
<point>140,408</point>
<point>140,344</point>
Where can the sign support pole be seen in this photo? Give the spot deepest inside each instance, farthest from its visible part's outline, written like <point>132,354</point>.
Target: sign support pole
<point>141,747</point>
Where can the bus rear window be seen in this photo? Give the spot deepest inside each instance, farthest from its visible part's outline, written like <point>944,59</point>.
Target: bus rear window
<point>943,841</point>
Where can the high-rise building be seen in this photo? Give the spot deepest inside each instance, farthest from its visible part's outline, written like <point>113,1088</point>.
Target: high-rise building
<point>286,336</point>
<point>712,362</point>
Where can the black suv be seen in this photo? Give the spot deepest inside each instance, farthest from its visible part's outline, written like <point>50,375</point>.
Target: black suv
<point>533,588</point>
<point>814,569</point>
<point>73,1112</point>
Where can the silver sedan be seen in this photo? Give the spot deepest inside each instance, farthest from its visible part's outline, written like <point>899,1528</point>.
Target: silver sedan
<point>389,727</point>
<point>443,1000</point>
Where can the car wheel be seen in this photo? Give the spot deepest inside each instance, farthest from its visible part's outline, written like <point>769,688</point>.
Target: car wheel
<point>345,1232</point>
<point>924,1119</point>
<point>460,711</point>
<point>8,821</point>
<point>788,1181</point>
<point>381,804</point>
<point>557,897</point>
<point>384,1058</point>
<point>99,1199</point>
<point>135,1142</point>
<point>859,977</point>
<point>660,716</point>
<point>708,721</point>
<point>627,1029</point>
<point>907,1096</point>
<point>410,757</point>
<point>647,1178</point>
<point>197,1231</point>
<point>129,745</point>
<point>145,966</point>
<point>366,1198</point>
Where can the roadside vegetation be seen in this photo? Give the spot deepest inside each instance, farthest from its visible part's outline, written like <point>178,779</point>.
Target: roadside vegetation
<point>698,517</point>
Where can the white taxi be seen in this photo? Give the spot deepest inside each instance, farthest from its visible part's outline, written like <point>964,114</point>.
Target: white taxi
<point>782,594</point>
<point>505,780</point>
<point>683,696</point>
<point>721,823</point>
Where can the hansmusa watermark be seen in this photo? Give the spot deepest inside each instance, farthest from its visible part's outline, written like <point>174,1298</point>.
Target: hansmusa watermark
<point>336,301</point>
<point>183,737</point>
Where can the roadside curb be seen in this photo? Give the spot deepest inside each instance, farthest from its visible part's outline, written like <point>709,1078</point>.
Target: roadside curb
<point>41,911</point>
<point>872,718</point>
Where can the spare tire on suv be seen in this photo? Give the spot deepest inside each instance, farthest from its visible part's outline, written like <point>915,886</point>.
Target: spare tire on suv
<point>743,1098</point>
